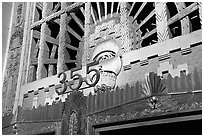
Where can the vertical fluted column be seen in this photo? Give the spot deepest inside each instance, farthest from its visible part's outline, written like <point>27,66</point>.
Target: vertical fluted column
<point>61,66</point>
<point>161,21</point>
<point>125,30</point>
<point>43,49</point>
<point>86,32</point>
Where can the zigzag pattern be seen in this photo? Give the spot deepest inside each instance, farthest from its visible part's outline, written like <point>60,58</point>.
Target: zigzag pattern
<point>161,16</point>
<point>161,21</point>
<point>163,36</point>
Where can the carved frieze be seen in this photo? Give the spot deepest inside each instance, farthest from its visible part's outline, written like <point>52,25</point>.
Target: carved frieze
<point>166,104</point>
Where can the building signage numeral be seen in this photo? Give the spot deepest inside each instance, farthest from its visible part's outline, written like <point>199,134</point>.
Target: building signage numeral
<point>65,83</point>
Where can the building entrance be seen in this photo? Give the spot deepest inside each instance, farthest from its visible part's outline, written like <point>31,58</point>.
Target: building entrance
<point>192,127</point>
<point>186,123</point>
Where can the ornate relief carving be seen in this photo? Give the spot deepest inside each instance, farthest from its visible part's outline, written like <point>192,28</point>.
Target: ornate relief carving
<point>171,106</point>
<point>110,63</point>
<point>20,12</point>
<point>12,69</point>
<point>75,111</point>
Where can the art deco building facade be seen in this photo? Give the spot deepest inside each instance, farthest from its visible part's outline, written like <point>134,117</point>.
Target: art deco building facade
<point>104,68</point>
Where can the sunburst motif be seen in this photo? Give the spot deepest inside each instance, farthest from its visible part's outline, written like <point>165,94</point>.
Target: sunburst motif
<point>153,85</point>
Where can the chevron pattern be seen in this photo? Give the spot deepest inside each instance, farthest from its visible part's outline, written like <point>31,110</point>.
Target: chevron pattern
<point>161,21</point>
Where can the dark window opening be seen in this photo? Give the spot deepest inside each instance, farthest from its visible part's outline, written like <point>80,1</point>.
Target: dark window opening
<point>183,72</point>
<point>74,40</point>
<point>36,40</point>
<point>38,28</point>
<point>195,20</point>
<point>188,3</point>
<point>149,40</point>
<point>172,10</point>
<point>72,53</point>
<point>56,54</point>
<point>38,14</point>
<point>75,27</point>
<point>95,11</point>
<point>108,7</point>
<point>149,25</point>
<point>55,69</point>
<point>175,29</point>
<point>47,69</point>
<point>54,28</point>
<point>80,15</point>
<point>58,9</point>
<point>191,127</point>
<point>50,46</point>
<point>115,6</point>
<point>135,9</point>
<point>165,72</point>
<point>70,65</point>
<point>102,8</point>
<point>130,3</point>
<point>145,12</point>
<point>54,4</point>
<point>37,53</point>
